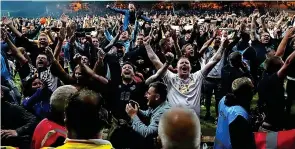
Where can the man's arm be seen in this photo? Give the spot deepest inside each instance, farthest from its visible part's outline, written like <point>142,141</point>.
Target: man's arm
<point>38,96</point>
<point>89,71</point>
<point>13,48</point>
<point>112,42</point>
<point>93,74</point>
<point>9,24</point>
<point>48,32</point>
<point>161,72</point>
<point>57,50</point>
<point>263,25</point>
<point>176,45</point>
<point>253,27</point>
<point>134,34</point>
<point>146,19</point>
<point>107,34</point>
<point>282,73</point>
<point>206,45</point>
<point>145,130</point>
<point>28,120</point>
<point>122,11</point>
<point>144,113</point>
<point>282,47</point>
<point>152,55</point>
<point>215,59</point>
<point>57,69</point>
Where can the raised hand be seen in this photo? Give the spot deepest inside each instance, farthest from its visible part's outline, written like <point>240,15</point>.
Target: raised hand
<point>6,21</point>
<point>263,17</point>
<point>8,133</point>
<point>215,33</point>
<point>49,52</point>
<point>290,32</point>
<point>64,18</point>
<point>169,57</point>
<point>225,41</point>
<point>100,54</point>
<point>147,40</point>
<point>77,58</point>
<point>4,34</point>
<point>131,111</point>
<point>256,15</point>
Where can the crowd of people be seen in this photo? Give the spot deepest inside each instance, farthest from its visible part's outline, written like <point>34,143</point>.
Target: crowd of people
<point>137,80</point>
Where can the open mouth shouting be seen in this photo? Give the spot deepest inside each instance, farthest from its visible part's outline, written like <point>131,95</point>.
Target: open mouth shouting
<point>185,69</point>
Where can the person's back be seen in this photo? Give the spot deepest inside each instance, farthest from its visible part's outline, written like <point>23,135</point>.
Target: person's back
<point>234,128</point>
<point>48,133</point>
<point>83,144</point>
<point>83,122</point>
<point>51,131</point>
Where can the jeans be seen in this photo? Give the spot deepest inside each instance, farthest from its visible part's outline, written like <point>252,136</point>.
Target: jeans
<point>212,85</point>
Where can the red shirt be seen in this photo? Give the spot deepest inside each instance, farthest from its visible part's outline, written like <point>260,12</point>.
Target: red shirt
<point>47,131</point>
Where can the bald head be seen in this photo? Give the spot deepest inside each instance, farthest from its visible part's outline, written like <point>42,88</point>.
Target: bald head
<point>59,96</point>
<point>180,128</point>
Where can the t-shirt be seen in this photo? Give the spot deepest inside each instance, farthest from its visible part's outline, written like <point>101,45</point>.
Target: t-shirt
<point>120,95</point>
<point>180,93</point>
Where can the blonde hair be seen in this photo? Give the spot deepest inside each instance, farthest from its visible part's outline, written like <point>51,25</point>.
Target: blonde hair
<point>42,34</point>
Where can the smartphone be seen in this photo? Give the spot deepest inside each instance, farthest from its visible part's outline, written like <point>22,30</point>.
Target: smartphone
<point>133,103</point>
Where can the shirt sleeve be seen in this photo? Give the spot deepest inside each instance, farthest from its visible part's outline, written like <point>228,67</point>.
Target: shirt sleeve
<point>118,10</point>
<point>108,36</point>
<point>168,76</point>
<point>198,75</point>
<point>145,130</point>
<point>144,113</point>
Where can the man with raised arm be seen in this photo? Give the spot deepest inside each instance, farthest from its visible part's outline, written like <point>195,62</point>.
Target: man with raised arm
<point>130,15</point>
<point>184,88</point>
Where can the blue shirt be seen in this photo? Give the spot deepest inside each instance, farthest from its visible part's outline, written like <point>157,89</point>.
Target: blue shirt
<point>154,115</point>
<point>226,116</point>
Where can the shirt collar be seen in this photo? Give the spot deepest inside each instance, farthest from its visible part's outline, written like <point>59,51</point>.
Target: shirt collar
<point>89,141</point>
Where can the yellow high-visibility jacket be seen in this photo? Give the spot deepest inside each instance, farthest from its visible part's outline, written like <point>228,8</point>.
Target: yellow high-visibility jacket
<point>84,144</point>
